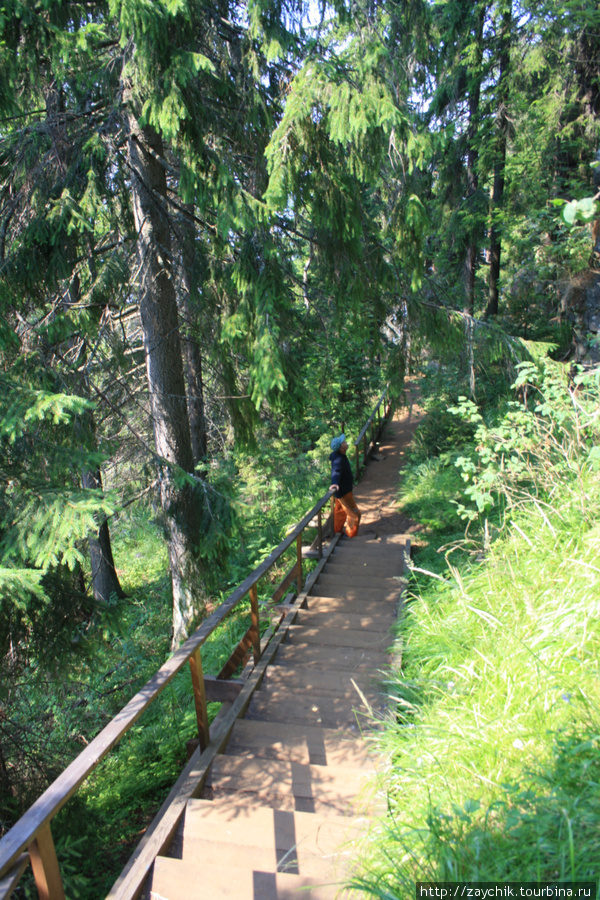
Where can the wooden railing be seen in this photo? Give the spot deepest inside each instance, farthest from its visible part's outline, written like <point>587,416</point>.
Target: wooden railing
<point>375,423</point>
<point>30,840</point>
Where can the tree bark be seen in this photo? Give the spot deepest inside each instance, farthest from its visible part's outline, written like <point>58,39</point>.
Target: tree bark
<point>500,164</point>
<point>495,234</point>
<point>180,498</point>
<point>191,348</point>
<point>472,159</point>
<point>105,581</point>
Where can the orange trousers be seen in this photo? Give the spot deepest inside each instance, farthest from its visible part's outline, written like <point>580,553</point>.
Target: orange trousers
<point>346,515</point>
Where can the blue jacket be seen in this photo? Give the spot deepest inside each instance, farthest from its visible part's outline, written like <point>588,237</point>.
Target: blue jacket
<point>341,473</point>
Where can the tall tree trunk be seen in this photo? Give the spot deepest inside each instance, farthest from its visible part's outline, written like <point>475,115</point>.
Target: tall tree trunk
<point>500,163</point>
<point>166,384</point>
<point>472,159</point>
<point>191,348</point>
<point>105,581</point>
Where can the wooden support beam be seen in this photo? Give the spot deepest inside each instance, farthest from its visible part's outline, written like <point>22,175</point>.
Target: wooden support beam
<point>320,536</point>
<point>282,589</point>
<point>200,698</point>
<point>299,575</point>
<point>238,657</point>
<point>46,871</point>
<point>219,690</point>
<point>255,616</point>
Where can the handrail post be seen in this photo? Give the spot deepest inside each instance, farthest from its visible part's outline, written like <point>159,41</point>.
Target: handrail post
<point>46,871</point>
<point>357,462</point>
<point>365,447</point>
<point>200,699</point>
<point>320,535</point>
<point>255,616</point>
<point>299,576</point>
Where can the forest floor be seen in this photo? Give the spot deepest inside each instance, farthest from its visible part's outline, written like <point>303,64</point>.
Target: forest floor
<point>377,492</point>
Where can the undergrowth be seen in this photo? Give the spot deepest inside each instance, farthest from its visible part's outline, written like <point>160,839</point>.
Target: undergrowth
<point>494,770</point>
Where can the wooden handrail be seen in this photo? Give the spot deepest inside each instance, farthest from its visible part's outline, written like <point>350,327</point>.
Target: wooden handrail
<point>35,822</point>
<point>371,417</point>
<point>374,436</point>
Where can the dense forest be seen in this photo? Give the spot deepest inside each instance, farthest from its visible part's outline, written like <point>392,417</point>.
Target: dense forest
<point>224,228</point>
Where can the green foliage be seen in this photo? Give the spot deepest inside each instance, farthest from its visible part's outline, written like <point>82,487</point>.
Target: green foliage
<point>520,455</point>
<point>577,211</point>
<point>43,523</point>
<point>494,712</point>
<point>431,491</point>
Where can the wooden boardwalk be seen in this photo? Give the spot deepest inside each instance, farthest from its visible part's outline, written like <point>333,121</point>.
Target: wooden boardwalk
<point>288,800</point>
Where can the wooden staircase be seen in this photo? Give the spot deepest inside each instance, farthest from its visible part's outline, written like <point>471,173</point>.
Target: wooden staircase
<point>289,799</point>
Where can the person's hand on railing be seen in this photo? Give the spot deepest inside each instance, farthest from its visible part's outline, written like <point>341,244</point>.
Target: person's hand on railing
<point>334,487</point>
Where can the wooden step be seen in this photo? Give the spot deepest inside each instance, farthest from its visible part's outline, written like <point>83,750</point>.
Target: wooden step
<point>391,563</point>
<point>339,637</point>
<point>351,659</point>
<point>369,544</point>
<point>268,827</point>
<point>174,879</point>
<point>365,565</point>
<point>379,620</point>
<point>319,682</point>
<point>366,606</point>
<point>361,579</point>
<point>348,551</point>
<point>364,569</point>
<point>290,704</point>
<point>307,744</point>
<point>288,785</point>
<point>385,540</point>
<point>359,594</point>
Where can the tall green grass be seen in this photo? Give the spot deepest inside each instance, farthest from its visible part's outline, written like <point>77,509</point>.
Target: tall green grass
<point>493,739</point>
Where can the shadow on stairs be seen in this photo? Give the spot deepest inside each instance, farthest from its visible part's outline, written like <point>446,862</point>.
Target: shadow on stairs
<point>288,801</point>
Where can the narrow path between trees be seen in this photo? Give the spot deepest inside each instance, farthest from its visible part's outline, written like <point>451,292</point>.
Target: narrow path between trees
<point>289,799</point>
<point>377,492</point>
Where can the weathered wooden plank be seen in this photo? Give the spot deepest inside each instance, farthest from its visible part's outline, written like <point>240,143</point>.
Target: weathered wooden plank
<point>199,698</point>
<point>175,877</point>
<point>220,690</point>
<point>9,882</point>
<point>293,786</point>
<point>313,656</point>
<point>238,657</point>
<point>46,872</point>
<point>299,743</point>
<point>343,637</point>
<point>379,621</point>
<point>284,585</point>
<point>343,578</point>
<point>255,617</point>
<point>299,575</point>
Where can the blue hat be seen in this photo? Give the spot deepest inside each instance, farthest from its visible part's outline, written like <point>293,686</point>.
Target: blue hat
<point>337,442</point>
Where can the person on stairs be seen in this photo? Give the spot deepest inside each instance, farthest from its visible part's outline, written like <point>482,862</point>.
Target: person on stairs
<point>346,515</point>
